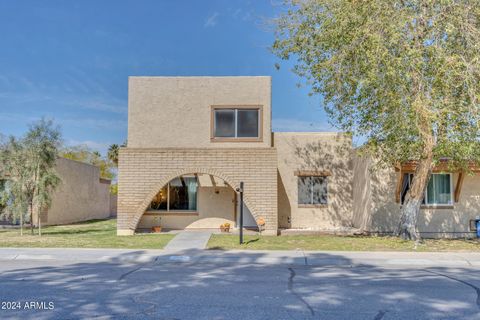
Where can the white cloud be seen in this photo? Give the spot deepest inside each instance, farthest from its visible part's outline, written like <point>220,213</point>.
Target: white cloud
<point>295,125</point>
<point>211,21</point>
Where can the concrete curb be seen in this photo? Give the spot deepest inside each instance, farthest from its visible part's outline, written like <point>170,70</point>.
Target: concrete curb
<point>298,258</point>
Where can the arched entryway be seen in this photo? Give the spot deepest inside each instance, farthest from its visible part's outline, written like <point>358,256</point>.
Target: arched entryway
<point>198,200</point>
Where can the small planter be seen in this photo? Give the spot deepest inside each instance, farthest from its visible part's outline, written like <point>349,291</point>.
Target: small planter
<point>225,227</point>
<point>157,227</point>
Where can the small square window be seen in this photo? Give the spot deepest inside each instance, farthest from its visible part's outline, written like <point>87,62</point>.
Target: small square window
<point>312,190</point>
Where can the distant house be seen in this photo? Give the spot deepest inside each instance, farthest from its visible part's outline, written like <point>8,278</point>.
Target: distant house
<point>82,195</point>
<point>192,140</point>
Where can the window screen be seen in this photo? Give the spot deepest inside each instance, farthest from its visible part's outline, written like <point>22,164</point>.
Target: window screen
<point>247,123</point>
<point>312,190</point>
<point>225,123</point>
<point>236,123</point>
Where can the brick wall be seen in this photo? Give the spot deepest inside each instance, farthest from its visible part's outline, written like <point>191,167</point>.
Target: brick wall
<point>143,172</point>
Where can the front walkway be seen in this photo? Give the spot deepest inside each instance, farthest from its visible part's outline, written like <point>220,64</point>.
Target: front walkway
<point>189,240</point>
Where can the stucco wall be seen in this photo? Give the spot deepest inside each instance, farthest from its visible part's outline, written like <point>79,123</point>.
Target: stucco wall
<point>81,196</point>
<point>143,172</point>
<point>375,209</point>
<point>166,112</point>
<point>215,206</point>
<point>314,152</point>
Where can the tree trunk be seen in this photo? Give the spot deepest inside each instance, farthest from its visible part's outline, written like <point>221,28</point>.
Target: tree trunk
<point>413,200</point>
<point>39,224</point>
<point>31,217</point>
<point>21,223</point>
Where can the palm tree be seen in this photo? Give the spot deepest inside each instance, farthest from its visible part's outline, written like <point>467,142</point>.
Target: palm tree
<point>113,153</point>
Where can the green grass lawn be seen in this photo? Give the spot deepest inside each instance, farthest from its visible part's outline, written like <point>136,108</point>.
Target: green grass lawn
<point>90,234</point>
<point>338,243</point>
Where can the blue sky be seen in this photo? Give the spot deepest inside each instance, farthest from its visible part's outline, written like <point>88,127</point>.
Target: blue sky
<point>70,60</point>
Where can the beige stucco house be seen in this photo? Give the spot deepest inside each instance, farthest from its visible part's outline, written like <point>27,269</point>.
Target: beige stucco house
<point>192,140</point>
<point>82,195</point>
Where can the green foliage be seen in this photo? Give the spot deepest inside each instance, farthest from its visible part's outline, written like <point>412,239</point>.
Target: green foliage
<point>28,163</point>
<point>400,73</point>
<point>84,154</point>
<point>113,152</point>
<point>114,188</point>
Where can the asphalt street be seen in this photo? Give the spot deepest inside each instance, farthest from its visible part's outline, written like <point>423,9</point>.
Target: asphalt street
<point>176,287</point>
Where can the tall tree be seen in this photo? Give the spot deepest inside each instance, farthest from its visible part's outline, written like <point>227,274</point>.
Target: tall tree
<point>113,153</point>
<point>42,143</point>
<point>29,165</point>
<point>14,199</point>
<point>403,74</point>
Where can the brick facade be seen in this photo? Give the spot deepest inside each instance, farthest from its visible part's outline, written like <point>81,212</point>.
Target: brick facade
<point>143,172</point>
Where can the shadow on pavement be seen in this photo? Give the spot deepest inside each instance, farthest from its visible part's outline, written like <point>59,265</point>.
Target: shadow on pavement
<point>197,288</point>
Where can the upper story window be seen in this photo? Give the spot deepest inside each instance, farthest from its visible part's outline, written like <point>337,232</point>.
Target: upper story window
<point>439,189</point>
<point>236,124</point>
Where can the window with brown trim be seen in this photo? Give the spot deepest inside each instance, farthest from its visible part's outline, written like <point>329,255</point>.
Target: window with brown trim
<point>236,123</point>
<point>438,192</point>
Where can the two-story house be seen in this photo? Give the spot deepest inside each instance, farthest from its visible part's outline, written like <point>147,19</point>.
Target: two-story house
<point>192,140</point>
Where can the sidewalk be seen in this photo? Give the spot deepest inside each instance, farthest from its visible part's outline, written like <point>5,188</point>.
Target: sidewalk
<point>298,258</point>
<point>189,240</point>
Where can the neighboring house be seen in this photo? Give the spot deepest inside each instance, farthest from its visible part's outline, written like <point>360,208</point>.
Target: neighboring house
<point>82,195</point>
<point>450,206</point>
<point>192,140</point>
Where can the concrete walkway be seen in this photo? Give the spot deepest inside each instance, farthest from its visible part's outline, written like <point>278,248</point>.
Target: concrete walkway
<point>189,240</point>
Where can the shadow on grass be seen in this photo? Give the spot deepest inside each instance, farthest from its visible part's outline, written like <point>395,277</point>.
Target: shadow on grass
<point>252,241</point>
<point>106,232</point>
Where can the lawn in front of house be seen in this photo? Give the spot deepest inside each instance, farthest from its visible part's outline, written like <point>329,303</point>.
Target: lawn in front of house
<point>338,243</point>
<point>89,234</point>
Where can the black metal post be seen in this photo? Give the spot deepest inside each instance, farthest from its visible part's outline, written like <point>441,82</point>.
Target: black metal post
<point>240,190</point>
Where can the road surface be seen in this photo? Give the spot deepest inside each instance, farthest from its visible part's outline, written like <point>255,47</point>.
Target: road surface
<point>178,287</point>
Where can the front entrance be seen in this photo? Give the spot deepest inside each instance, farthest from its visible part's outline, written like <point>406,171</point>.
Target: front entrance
<point>197,201</point>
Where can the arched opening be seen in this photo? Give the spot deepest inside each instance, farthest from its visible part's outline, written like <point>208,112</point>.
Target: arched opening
<point>194,201</point>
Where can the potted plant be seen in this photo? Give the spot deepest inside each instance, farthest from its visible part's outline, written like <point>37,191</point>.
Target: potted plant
<point>225,227</point>
<point>157,227</point>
